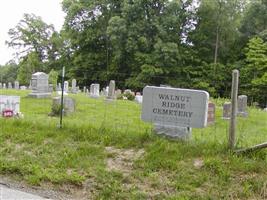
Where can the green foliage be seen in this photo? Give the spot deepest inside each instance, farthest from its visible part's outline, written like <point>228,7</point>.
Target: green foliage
<point>255,69</point>
<point>8,72</point>
<point>53,76</point>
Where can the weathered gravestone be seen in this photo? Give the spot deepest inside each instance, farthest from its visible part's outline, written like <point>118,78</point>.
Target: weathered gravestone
<point>94,90</point>
<point>111,90</point>
<point>23,87</point>
<point>66,86</point>
<point>4,86</point>
<point>138,98</point>
<point>175,111</point>
<point>211,113</point>
<point>9,85</point>
<point>39,84</point>
<point>9,105</point>
<point>227,110</point>
<point>242,106</point>
<point>69,105</point>
<point>16,85</point>
<point>84,89</point>
<point>74,88</point>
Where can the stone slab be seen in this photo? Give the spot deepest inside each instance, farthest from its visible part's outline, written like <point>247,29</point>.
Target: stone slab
<point>175,106</point>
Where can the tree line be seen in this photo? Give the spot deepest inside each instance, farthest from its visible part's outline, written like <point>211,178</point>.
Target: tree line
<point>182,43</point>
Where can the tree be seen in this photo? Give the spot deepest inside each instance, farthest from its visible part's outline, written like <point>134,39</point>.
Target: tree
<point>31,34</point>
<point>255,70</point>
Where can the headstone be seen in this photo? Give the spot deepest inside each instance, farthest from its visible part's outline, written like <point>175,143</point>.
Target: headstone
<point>242,106</point>
<point>74,89</point>
<point>105,91</point>
<point>39,84</point>
<point>138,98</point>
<point>117,93</point>
<point>23,87</point>
<point>66,86</point>
<point>211,113</point>
<point>1,86</point>
<point>227,110</point>
<point>111,90</point>
<point>9,105</point>
<point>16,85</point>
<point>4,86</point>
<point>84,89</point>
<point>59,87</point>
<point>9,85</point>
<point>94,90</point>
<point>51,88</point>
<point>174,111</point>
<point>68,103</point>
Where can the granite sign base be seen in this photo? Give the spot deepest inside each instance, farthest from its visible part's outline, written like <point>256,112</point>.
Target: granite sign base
<point>39,95</point>
<point>174,132</point>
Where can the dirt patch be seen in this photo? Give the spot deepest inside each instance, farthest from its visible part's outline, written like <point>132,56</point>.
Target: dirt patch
<point>122,160</point>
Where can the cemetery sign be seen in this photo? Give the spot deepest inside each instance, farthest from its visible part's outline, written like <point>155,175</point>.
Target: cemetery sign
<point>175,106</point>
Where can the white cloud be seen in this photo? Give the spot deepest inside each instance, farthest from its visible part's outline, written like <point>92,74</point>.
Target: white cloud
<point>11,12</point>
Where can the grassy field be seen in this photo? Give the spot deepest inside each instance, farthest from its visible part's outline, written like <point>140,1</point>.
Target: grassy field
<point>104,151</point>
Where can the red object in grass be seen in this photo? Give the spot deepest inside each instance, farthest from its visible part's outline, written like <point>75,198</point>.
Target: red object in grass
<point>7,113</point>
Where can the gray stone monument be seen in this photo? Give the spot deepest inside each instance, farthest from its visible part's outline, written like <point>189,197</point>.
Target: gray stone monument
<point>174,111</point>
<point>16,85</point>
<point>68,103</point>
<point>227,110</point>
<point>74,88</point>
<point>9,85</point>
<point>66,86</point>
<point>211,113</point>
<point>242,106</point>
<point>94,90</point>
<point>40,86</point>
<point>111,90</point>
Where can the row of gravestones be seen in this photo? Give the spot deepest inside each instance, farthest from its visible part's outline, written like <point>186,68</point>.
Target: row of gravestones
<point>109,92</point>
<point>241,107</point>
<point>10,86</point>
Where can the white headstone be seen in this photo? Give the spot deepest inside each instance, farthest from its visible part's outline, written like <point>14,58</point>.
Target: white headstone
<point>66,86</point>
<point>16,85</point>
<point>94,90</point>
<point>9,85</point>
<point>10,103</point>
<point>74,86</point>
<point>4,86</point>
<point>111,90</point>
<point>175,106</point>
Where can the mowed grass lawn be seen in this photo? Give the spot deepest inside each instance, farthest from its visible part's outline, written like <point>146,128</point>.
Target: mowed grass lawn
<point>104,151</point>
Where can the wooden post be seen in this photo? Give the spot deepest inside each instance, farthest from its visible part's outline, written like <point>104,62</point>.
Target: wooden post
<point>234,92</point>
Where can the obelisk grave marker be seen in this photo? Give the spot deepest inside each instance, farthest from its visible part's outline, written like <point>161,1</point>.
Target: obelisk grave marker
<point>175,107</point>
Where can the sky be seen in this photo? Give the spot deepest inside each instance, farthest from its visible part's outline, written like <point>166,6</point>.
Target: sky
<point>11,12</point>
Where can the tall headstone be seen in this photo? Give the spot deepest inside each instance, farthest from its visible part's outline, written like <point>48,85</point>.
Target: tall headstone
<point>111,90</point>
<point>66,86</point>
<point>4,85</point>
<point>9,85</point>
<point>40,86</point>
<point>227,110</point>
<point>84,89</point>
<point>242,106</point>
<point>211,113</point>
<point>74,88</point>
<point>16,85</point>
<point>94,90</point>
